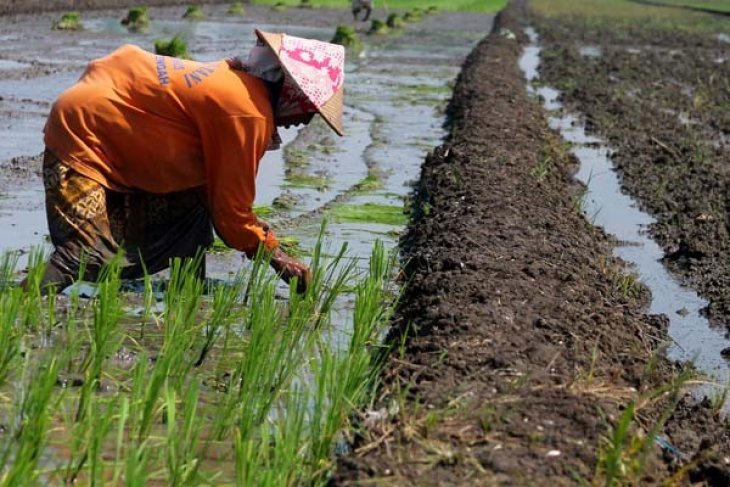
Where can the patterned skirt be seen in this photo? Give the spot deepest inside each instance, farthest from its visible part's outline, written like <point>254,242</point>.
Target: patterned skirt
<point>88,221</point>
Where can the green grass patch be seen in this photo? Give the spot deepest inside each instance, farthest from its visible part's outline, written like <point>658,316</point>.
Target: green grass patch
<point>175,47</point>
<point>69,21</point>
<point>369,213</point>
<point>434,6</point>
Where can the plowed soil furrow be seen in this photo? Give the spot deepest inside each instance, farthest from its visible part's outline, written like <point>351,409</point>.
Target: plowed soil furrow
<point>660,96</point>
<point>521,352</point>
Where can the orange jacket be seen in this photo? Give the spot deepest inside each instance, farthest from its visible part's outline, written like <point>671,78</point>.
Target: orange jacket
<point>136,121</point>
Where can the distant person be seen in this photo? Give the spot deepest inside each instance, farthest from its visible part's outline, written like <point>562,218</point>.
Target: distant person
<point>147,153</point>
<point>360,6</point>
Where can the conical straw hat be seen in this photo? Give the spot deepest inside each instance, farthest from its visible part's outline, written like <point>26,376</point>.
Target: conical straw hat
<point>314,75</point>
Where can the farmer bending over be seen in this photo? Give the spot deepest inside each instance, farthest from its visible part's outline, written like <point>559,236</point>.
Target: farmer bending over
<point>144,152</point>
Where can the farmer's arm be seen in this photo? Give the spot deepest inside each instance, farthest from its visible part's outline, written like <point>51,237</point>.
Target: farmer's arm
<point>232,147</point>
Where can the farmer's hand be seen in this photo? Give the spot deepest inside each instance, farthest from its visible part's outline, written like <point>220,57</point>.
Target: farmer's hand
<point>288,267</point>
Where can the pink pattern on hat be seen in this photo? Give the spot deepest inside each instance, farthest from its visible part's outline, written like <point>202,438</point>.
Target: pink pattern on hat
<point>315,73</point>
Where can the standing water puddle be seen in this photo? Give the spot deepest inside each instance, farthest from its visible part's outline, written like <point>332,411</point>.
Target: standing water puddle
<point>606,206</point>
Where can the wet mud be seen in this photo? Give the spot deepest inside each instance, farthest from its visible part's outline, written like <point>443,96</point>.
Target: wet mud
<point>517,346</point>
<point>659,96</point>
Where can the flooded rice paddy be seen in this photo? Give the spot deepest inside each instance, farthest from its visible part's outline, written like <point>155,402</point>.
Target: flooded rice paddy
<point>110,381</point>
<point>606,205</point>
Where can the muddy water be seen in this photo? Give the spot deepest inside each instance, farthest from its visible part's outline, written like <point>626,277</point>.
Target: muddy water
<point>608,207</point>
<point>396,90</point>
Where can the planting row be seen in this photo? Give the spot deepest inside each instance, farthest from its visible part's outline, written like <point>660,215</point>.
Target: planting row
<point>195,383</point>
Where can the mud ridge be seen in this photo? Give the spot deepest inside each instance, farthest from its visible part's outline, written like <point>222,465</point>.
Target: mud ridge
<point>516,351</point>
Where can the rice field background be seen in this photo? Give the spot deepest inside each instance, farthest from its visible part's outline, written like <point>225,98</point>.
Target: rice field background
<point>453,5</point>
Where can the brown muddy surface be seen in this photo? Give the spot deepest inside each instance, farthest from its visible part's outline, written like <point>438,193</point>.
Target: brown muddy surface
<point>522,349</point>
<point>660,97</point>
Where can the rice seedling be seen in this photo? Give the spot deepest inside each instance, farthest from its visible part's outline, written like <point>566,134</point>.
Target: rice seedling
<point>8,265</point>
<point>194,12</point>
<point>29,432</point>
<point>182,436</point>
<point>265,367</point>
<point>69,21</point>
<point>378,27</point>
<point>104,336</point>
<point>175,47</point>
<point>236,8</point>
<point>222,314</point>
<point>136,20</point>
<point>292,246</point>
<point>32,306</point>
<point>305,4</point>
<point>10,334</point>
<point>158,421</point>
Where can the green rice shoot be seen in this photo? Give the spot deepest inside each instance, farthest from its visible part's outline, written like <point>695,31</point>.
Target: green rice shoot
<point>231,386</point>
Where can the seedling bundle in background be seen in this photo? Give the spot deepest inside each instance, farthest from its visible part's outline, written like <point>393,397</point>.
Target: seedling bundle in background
<point>175,47</point>
<point>236,8</point>
<point>194,12</point>
<point>346,36</point>
<point>69,21</point>
<point>137,19</point>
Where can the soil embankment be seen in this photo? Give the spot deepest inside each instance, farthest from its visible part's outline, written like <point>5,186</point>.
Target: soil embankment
<point>523,350</point>
<point>28,6</point>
